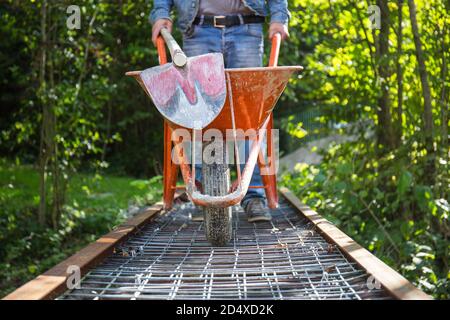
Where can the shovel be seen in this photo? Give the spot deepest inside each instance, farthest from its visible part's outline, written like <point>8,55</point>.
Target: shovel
<point>190,91</point>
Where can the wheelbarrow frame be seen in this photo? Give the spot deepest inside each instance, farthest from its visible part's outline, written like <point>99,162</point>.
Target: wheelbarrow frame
<point>170,169</point>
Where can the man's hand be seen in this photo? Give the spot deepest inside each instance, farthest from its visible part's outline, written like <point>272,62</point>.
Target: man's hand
<point>158,25</point>
<point>277,27</point>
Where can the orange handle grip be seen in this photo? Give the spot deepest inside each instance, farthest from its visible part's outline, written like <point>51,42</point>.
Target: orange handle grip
<point>275,50</point>
<point>160,46</point>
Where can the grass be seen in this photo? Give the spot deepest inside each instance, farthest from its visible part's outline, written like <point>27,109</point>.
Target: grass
<point>94,205</point>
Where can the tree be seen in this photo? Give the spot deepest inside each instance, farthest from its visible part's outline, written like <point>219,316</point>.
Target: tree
<point>399,68</point>
<point>385,130</point>
<point>445,106</point>
<point>427,112</point>
<point>47,144</point>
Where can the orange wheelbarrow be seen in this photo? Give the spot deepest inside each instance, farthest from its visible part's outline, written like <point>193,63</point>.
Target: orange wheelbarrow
<point>251,97</point>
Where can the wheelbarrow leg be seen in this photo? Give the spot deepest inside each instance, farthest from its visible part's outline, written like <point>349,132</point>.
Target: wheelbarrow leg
<point>170,169</point>
<point>269,180</point>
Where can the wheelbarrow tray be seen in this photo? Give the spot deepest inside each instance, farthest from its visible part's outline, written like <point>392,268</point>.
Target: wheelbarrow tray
<point>254,91</point>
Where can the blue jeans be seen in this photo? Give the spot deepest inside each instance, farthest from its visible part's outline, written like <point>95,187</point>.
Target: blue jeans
<point>242,46</point>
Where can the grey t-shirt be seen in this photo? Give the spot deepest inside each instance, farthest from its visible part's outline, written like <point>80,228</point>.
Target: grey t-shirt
<point>222,7</point>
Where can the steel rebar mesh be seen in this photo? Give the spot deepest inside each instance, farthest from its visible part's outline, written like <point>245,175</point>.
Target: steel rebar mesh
<point>170,258</point>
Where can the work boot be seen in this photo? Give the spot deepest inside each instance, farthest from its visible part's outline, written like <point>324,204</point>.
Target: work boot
<point>257,211</point>
<point>197,214</point>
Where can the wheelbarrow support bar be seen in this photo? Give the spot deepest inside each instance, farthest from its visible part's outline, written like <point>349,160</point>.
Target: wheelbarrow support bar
<point>232,198</point>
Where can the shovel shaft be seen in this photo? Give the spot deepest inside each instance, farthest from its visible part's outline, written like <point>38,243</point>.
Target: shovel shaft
<point>178,56</point>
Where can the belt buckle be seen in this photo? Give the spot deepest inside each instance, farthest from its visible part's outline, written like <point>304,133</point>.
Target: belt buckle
<point>219,25</point>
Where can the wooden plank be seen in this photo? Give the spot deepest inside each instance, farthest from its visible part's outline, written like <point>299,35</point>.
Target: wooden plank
<point>394,283</point>
<point>53,282</point>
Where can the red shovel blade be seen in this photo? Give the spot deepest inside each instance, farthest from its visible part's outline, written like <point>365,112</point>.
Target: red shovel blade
<point>192,96</point>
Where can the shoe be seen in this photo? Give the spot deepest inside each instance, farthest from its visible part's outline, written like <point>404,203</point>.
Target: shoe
<point>197,214</point>
<point>257,211</point>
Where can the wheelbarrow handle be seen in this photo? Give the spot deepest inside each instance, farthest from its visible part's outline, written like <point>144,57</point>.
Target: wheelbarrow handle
<point>178,56</point>
<point>160,46</point>
<point>275,50</point>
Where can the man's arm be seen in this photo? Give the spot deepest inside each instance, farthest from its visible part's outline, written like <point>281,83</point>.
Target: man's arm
<point>279,11</point>
<point>160,17</point>
<point>161,10</point>
<point>279,18</point>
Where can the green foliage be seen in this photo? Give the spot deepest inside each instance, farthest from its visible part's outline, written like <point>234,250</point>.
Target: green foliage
<point>380,202</point>
<point>389,199</point>
<point>94,206</point>
<point>96,123</point>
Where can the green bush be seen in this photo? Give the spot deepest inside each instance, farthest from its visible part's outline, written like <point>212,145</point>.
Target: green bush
<point>94,206</point>
<point>379,201</point>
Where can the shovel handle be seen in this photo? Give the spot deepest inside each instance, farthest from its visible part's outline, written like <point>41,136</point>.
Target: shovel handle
<point>178,56</point>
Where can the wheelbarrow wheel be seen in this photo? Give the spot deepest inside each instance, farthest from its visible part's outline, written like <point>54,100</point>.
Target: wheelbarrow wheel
<point>216,182</point>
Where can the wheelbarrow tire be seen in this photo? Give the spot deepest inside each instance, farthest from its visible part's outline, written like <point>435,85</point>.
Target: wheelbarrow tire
<point>216,182</point>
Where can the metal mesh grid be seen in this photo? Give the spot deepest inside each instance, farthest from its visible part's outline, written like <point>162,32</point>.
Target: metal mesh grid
<point>170,258</point>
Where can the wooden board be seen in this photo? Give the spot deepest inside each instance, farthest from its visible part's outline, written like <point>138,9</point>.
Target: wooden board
<point>394,283</point>
<point>53,282</point>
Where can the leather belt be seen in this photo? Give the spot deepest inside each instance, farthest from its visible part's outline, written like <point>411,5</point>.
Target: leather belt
<point>227,21</point>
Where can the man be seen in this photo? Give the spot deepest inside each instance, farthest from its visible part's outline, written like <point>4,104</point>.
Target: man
<point>234,28</point>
